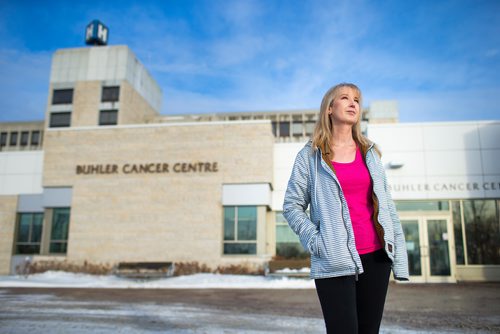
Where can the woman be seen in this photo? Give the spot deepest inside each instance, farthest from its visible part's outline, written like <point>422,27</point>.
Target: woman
<point>353,232</point>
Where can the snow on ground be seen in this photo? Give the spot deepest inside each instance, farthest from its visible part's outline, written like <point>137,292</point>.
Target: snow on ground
<point>55,279</point>
<point>304,270</point>
<point>47,313</point>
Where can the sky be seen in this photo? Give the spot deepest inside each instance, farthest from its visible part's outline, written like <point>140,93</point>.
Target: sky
<point>440,60</point>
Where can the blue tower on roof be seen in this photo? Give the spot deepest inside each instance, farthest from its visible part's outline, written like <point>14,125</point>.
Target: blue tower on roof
<point>96,33</point>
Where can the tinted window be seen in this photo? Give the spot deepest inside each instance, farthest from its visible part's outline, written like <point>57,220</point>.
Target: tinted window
<point>108,117</point>
<point>35,138</point>
<point>13,139</point>
<point>110,94</point>
<point>3,139</point>
<point>62,96</point>
<point>60,119</point>
<point>284,129</point>
<point>24,138</point>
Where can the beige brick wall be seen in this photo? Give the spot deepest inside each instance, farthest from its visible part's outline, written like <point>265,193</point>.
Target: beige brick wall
<point>134,109</point>
<point>8,206</point>
<point>154,217</point>
<point>86,99</point>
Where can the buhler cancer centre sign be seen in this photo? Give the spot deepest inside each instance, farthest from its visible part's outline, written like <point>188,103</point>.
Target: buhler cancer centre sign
<point>148,168</point>
<point>445,190</point>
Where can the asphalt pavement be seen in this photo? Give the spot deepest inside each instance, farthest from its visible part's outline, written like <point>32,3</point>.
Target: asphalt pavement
<point>410,308</point>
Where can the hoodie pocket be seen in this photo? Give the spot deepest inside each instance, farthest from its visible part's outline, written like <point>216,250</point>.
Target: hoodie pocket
<point>318,246</point>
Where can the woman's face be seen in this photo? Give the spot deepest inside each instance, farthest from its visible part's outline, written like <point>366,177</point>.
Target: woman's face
<point>345,107</point>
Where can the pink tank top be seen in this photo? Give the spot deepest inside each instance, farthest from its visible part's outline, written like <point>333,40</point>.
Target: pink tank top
<point>356,183</point>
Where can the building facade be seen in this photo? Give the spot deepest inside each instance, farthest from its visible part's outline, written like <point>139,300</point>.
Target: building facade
<point>107,179</point>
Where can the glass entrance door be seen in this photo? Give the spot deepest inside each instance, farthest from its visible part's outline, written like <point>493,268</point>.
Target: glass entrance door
<point>429,249</point>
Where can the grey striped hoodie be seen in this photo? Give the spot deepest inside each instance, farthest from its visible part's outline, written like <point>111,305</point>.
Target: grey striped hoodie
<point>327,233</point>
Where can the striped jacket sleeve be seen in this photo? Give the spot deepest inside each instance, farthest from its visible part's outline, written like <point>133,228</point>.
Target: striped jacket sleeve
<point>400,264</point>
<point>297,199</point>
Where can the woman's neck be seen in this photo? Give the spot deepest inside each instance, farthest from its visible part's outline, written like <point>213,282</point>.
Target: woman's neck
<point>342,136</point>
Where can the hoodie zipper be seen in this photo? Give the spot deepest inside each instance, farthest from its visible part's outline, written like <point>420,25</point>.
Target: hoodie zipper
<point>343,220</point>
<point>348,234</point>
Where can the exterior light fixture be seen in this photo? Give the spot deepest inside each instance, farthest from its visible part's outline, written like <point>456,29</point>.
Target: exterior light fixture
<point>395,164</point>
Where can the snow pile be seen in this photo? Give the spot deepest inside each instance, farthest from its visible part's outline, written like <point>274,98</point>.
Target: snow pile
<point>305,270</point>
<point>59,279</point>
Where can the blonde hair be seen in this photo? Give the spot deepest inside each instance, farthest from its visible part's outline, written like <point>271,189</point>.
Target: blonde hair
<point>323,130</point>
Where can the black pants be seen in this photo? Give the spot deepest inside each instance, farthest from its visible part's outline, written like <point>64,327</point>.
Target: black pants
<point>351,306</point>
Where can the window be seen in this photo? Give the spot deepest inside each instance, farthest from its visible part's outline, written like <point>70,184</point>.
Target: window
<point>60,119</point>
<point>108,117</point>
<point>13,139</point>
<point>284,129</point>
<point>24,138</point>
<point>3,139</point>
<point>482,231</point>
<point>274,126</point>
<point>287,242</point>
<point>297,128</point>
<point>60,228</point>
<point>240,230</point>
<point>62,96</point>
<point>457,231</point>
<point>310,127</point>
<point>110,94</point>
<point>35,138</point>
<point>29,233</point>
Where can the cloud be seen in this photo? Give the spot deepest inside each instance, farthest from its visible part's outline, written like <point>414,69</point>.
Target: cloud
<point>259,55</point>
<point>461,104</point>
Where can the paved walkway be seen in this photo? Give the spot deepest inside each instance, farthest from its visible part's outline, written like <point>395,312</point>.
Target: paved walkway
<point>410,308</point>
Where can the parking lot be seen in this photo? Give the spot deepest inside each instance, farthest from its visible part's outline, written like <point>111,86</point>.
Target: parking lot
<point>410,308</point>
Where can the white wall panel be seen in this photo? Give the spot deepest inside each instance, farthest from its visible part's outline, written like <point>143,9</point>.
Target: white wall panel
<point>3,163</point>
<point>17,184</point>
<point>413,163</point>
<point>392,137</point>
<point>284,157</point>
<point>278,198</point>
<point>451,136</point>
<point>21,172</point>
<point>489,135</point>
<point>491,162</point>
<point>246,194</point>
<point>453,163</point>
<point>22,163</point>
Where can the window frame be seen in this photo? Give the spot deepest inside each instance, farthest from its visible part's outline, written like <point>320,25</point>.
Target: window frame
<point>25,136</point>
<point>13,138</point>
<point>308,124</point>
<point>34,142</point>
<point>30,242</point>
<point>63,241</point>
<point>466,234</point>
<point>110,94</point>
<point>62,96</point>
<point>3,139</point>
<point>236,240</point>
<point>297,125</point>
<point>59,125</point>
<point>284,126</point>
<point>110,112</point>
